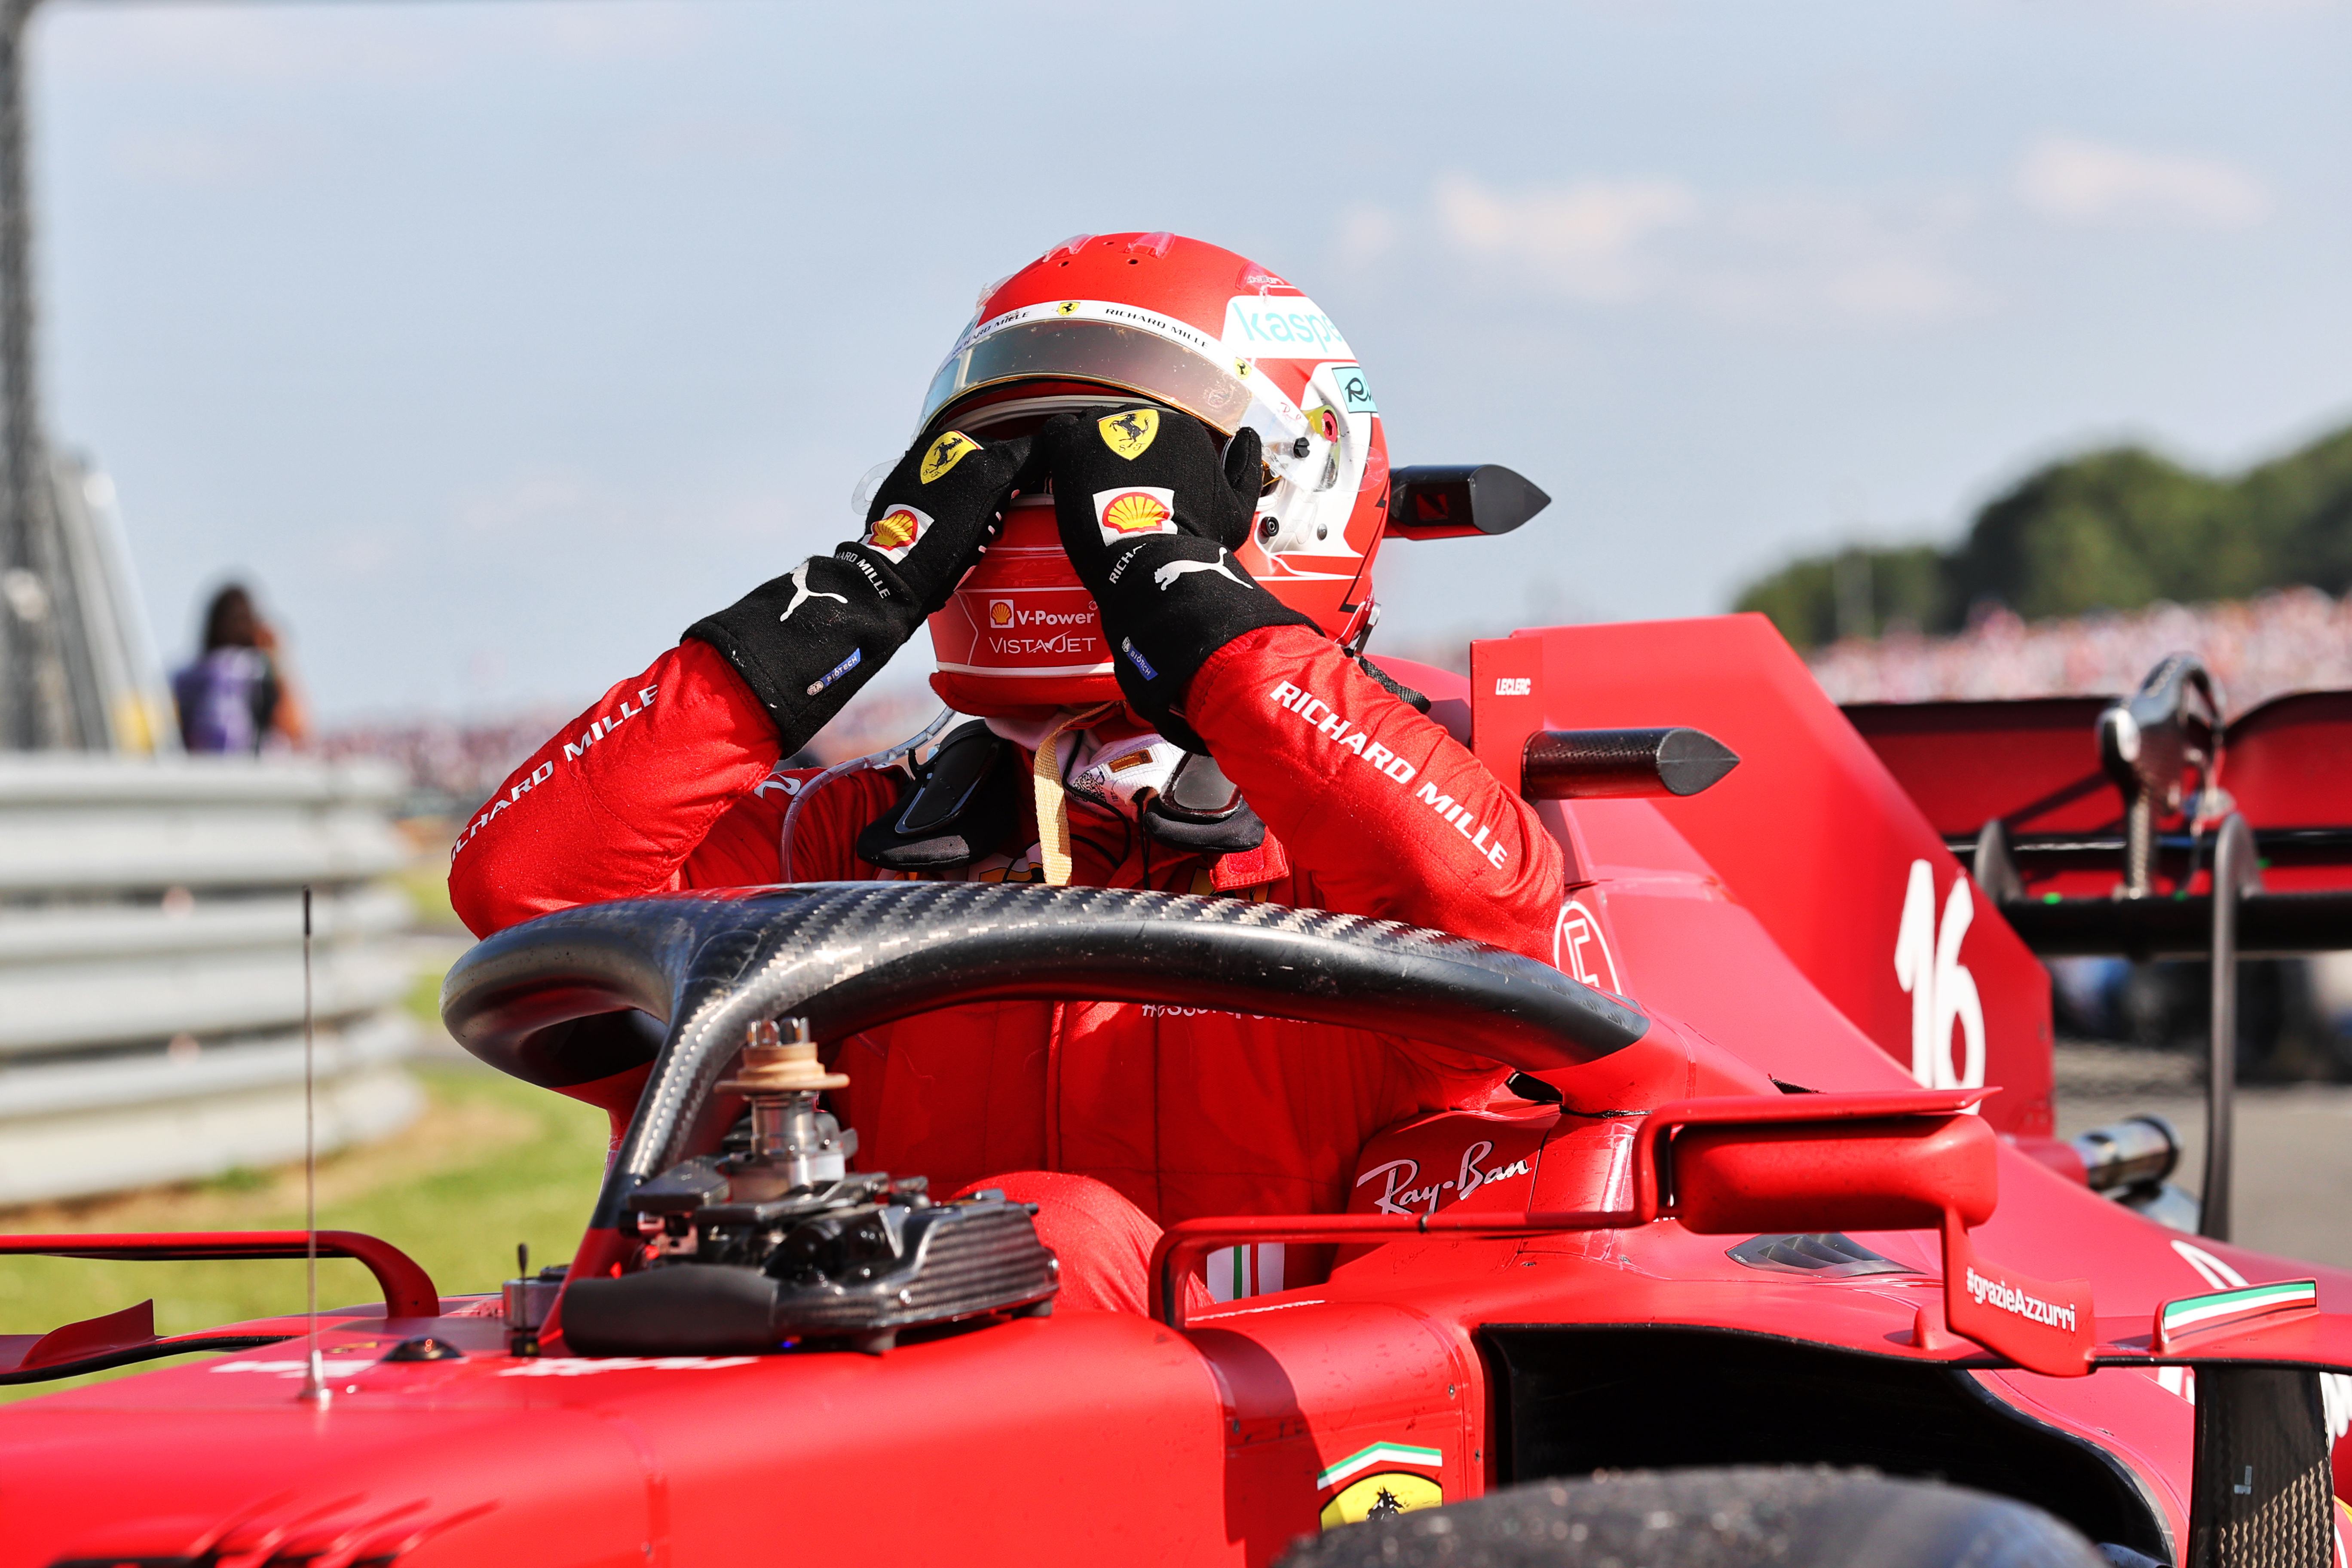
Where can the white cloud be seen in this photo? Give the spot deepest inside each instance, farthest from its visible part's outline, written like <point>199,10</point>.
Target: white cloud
<point>2076,180</point>
<point>1585,239</point>
<point>1813,255</point>
<point>1776,258</point>
<point>1367,233</point>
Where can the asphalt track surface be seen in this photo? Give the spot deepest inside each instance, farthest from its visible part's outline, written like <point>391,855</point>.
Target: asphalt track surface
<point>2294,1164</point>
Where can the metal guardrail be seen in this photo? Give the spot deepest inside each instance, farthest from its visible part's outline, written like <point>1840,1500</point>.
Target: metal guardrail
<point>151,967</point>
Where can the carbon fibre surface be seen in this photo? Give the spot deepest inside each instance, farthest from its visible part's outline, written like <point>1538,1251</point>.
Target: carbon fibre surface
<point>850,955</point>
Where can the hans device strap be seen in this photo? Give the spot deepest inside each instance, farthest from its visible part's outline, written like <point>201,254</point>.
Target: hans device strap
<point>964,804</point>
<point>1201,811</point>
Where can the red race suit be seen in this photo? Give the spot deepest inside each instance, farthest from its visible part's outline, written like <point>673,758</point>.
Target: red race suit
<point>670,781</point>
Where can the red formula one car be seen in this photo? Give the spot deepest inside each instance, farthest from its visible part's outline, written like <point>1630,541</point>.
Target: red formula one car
<point>1774,1220</point>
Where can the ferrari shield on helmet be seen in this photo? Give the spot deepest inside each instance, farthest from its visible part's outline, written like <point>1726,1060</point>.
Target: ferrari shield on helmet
<point>1197,329</point>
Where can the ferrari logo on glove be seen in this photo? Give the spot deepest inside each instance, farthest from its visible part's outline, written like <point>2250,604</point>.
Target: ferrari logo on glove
<point>945,454</point>
<point>1130,433</point>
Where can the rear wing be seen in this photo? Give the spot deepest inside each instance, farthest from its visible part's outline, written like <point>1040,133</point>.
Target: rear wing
<point>2096,822</point>
<point>2151,826</point>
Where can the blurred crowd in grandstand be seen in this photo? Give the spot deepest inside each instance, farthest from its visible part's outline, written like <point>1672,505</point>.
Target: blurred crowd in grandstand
<point>451,764</point>
<point>2293,640</point>
<point>2116,557</point>
<point>2296,1015</point>
<point>2290,640</point>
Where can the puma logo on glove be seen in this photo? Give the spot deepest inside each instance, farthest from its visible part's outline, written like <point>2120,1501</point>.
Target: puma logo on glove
<point>803,592</point>
<point>1166,576</point>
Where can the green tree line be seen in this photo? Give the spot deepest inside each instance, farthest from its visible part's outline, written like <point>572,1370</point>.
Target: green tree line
<point>2111,530</point>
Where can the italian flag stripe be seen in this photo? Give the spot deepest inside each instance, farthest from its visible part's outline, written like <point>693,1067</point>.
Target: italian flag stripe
<point>2195,1310</point>
<point>1379,1454</point>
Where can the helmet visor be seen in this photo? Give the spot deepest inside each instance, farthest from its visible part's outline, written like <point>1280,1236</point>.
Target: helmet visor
<point>1125,358</point>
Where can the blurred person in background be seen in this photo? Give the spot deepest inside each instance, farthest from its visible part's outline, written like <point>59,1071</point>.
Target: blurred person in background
<point>235,695</point>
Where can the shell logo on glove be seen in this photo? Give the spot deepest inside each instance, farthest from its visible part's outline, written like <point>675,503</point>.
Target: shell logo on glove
<point>1130,433</point>
<point>895,532</point>
<point>1123,515</point>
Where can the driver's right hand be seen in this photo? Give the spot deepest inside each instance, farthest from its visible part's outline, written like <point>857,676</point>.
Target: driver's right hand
<point>806,642</point>
<point>936,513</point>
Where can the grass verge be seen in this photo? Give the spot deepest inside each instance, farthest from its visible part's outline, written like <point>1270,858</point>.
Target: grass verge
<point>425,881</point>
<point>491,1162</point>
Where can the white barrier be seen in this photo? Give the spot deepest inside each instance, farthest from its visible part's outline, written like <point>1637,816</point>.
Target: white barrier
<point>151,967</point>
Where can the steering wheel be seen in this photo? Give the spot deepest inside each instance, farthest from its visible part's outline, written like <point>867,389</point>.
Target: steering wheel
<point>850,955</point>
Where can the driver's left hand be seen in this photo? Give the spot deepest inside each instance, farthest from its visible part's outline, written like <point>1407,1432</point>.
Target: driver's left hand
<point>1150,516</point>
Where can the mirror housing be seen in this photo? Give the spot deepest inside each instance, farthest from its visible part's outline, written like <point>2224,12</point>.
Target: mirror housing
<point>1761,1166</point>
<point>1459,501</point>
<point>1895,1174</point>
<point>1603,765</point>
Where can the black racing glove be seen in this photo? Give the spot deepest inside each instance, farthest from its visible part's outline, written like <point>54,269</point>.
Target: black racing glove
<point>807,641</point>
<point>1150,517</point>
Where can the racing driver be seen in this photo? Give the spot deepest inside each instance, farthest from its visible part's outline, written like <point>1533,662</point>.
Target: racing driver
<point>1141,513</point>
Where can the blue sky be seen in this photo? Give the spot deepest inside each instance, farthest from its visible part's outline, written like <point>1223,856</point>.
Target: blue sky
<point>501,339</point>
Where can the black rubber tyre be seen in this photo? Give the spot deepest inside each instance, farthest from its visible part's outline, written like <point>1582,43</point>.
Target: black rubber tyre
<point>1713,1519</point>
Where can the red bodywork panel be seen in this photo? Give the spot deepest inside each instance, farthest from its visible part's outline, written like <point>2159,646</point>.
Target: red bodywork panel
<point>1811,839</point>
<point>2289,764</point>
<point>1094,1437</point>
<point>2035,765</point>
<point>2289,761</point>
<point>1761,924</point>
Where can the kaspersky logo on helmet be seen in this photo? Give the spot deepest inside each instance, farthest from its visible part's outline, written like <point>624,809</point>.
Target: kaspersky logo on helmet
<point>1262,327</point>
<point>1125,513</point>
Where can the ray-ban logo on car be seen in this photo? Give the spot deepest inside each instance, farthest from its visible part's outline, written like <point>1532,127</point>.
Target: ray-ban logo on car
<point>1400,1195</point>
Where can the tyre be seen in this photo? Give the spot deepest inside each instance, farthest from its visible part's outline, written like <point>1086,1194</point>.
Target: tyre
<point>1713,1519</point>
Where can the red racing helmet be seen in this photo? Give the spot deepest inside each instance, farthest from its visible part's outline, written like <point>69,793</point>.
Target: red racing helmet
<point>1194,328</point>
